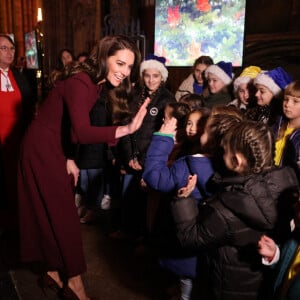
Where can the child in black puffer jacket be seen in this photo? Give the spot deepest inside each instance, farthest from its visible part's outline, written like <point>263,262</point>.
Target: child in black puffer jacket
<point>227,228</point>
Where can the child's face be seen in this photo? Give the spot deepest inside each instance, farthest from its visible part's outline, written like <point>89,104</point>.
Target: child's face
<point>204,136</point>
<point>152,79</point>
<point>234,161</point>
<point>291,107</point>
<point>168,112</point>
<point>192,124</point>
<point>215,84</point>
<point>207,132</point>
<point>263,95</point>
<point>198,72</point>
<point>243,93</point>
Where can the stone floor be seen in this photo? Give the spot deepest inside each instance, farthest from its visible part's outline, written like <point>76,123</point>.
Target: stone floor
<point>115,271</point>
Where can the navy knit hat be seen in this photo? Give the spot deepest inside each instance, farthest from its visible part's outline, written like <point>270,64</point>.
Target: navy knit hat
<point>275,80</point>
<point>155,62</point>
<point>222,70</point>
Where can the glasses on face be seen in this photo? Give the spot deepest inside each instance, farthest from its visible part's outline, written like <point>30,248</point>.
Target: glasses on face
<point>5,49</point>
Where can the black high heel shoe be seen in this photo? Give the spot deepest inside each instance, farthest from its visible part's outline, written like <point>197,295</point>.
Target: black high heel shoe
<point>46,281</point>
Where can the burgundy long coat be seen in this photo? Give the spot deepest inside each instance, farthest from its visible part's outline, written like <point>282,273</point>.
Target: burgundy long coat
<point>49,224</point>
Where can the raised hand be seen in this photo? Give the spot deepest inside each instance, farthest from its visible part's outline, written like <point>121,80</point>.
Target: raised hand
<point>136,122</point>
<point>139,117</point>
<point>266,247</point>
<point>187,190</point>
<point>169,126</point>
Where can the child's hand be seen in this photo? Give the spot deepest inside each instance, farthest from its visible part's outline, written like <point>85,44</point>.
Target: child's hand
<point>169,126</point>
<point>144,185</point>
<point>187,190</point>
<point>134,164</point>
<point>267,247</point>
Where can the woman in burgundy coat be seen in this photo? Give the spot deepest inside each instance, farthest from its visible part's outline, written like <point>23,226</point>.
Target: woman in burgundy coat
<point>49,224</point>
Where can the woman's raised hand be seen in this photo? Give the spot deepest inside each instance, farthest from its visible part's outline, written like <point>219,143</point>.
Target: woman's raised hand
<point>136,122</point>
<point>139,117</point>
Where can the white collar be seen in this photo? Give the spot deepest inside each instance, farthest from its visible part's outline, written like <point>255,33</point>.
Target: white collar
<point>6,85</point>
<point>4,70</point>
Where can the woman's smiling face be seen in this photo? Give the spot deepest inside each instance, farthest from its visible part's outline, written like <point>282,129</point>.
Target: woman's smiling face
<point>119,66</point>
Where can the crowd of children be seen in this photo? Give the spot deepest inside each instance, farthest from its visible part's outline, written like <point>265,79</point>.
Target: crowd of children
<point>210,180</point>
<point>244,150</point>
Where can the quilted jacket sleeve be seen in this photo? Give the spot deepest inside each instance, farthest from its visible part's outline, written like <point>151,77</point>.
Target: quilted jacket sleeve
<point>202,229</point>
<point>157,174</point>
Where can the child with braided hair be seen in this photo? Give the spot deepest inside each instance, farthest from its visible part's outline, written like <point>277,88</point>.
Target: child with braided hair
<point>166,178</point>
<point>228,227</point>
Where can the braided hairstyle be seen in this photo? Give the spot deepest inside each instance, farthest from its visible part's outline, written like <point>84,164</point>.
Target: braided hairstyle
<point>255,141</point>
<point>219,122</point>
<point>216,127</point>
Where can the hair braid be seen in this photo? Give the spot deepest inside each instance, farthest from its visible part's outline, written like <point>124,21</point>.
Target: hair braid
<point>255,141</point>
<point>255,150</point>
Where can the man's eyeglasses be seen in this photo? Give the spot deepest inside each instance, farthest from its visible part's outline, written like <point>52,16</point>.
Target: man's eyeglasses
<point>5,49</point>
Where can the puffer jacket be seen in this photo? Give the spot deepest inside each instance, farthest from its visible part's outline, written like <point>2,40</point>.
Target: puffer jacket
<point>227,228</point>
<point>135,146</point>
<point>94,156</point>
<point>186,87</point>
<point>167,179</point>
<point>159,176</point>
